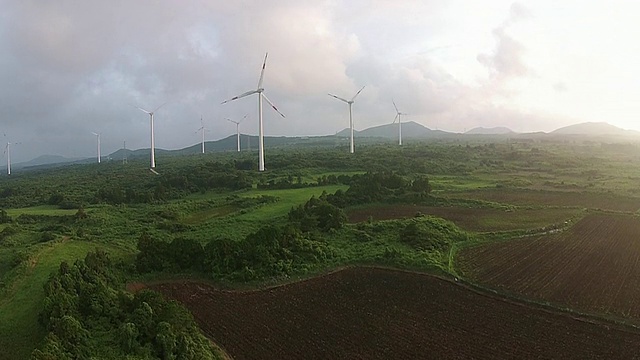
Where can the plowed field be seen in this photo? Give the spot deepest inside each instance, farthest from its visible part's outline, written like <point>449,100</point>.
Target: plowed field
<point>553,198</point>
<point>472,219</point>
<point>367,313</point>
<point>594,266</point>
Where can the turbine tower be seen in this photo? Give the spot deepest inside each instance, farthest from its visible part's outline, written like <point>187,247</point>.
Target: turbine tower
<point>398,116</point>
<point>203,129</point>
<point>261,95</point>
<point>153,149</point>
<point>7,150</point>
<point>238,129</point>
<point>350,102</point>
<point>97,145</point>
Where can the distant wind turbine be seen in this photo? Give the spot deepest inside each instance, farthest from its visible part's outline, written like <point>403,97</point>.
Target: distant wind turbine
<point>204,130</point>
<point>398,118</point>
<point>238,129</point>
<point>350,102</point>
<point>97,145</point>
<point>260,92</point>
<point>7,150</point>
<point>153,148</point>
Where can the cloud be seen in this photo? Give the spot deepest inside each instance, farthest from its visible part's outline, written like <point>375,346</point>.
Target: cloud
<point>76,67</point>
<point>507,59</point>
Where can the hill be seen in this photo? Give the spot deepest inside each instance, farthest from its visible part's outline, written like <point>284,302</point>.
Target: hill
<point>593,128</point>
<point>410,130</point>
<point>501,130</point>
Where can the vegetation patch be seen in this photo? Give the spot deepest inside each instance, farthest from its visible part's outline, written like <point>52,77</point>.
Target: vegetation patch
<point>87,315</point>
<point>471,219</point>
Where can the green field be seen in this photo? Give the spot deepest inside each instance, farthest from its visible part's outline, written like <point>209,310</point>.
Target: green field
<point>485,192</point>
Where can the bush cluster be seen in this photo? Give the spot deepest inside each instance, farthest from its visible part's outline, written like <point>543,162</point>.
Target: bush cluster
<point>84,300</point>
<point>381,187</point>
<point>270,251</point>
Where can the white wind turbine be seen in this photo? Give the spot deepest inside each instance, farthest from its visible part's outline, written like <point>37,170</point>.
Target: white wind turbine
<point>97,145</point>
<point>238,129</point>
<point>350,102</point>
<point>204,130</point>
<point>260,92</point>
<point>7,150</point>
<point>153,148</point>
<point>398,117</point>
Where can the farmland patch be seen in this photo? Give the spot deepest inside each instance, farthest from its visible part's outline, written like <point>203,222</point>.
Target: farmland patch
<point>369,313</point>
<point>593,267</point>
<point>605,201</point>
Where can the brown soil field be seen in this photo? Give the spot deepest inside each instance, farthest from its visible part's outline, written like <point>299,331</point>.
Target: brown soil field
<point>553,198</point>
<point>592,267</point>
<point>370,313</point>
<point>472,219</point>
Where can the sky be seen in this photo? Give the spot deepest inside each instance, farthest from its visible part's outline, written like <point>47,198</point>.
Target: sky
<point>70,68</point>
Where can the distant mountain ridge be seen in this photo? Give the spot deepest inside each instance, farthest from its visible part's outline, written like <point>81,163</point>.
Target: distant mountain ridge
<point>593,128</point>
<point>500,130</point>
<point>410,130</point>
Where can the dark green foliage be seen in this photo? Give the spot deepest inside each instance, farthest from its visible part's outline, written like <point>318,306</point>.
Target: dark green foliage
<point>153,254</point>
<point>83,300</point>
<point>381,187</point>
<point>4,217</point>
<point>431,233</point>
<point>186,253</point>
<point>270,251</point>
<point>81,214</point>
<point>317,214</point>
<point>46,236</point>
<point>8,231</point>
<point>55,198</point>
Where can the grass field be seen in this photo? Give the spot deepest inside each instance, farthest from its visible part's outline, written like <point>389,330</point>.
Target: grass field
<point>20,332</point>
<point>41,210</point>
<point>286,200</point>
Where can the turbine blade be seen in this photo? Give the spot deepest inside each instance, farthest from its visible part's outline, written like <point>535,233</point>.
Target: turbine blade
<point>264,64</point>
<point>94,133</point>
<point>143,110</point>
<point>273,106</point>
<point>394,105</point>
<point>244,117</point>
<point>354,96</point>
<point>235,122</point>
<point>395,118</point>
<point>240,96</point>
<point>339,98</point>
<point>156,109</point>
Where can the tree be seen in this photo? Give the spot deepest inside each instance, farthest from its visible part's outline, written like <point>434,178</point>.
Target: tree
<point>4,217</point>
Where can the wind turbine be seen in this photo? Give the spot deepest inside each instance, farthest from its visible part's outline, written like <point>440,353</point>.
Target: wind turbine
<point>350,102</point>
<point>260,92</point>
<point>398,116</point>
<point>97,145</point>
<point>7,150</point>
<point>238,129</point>
<point>153,149</point>
<point>203,129</point>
